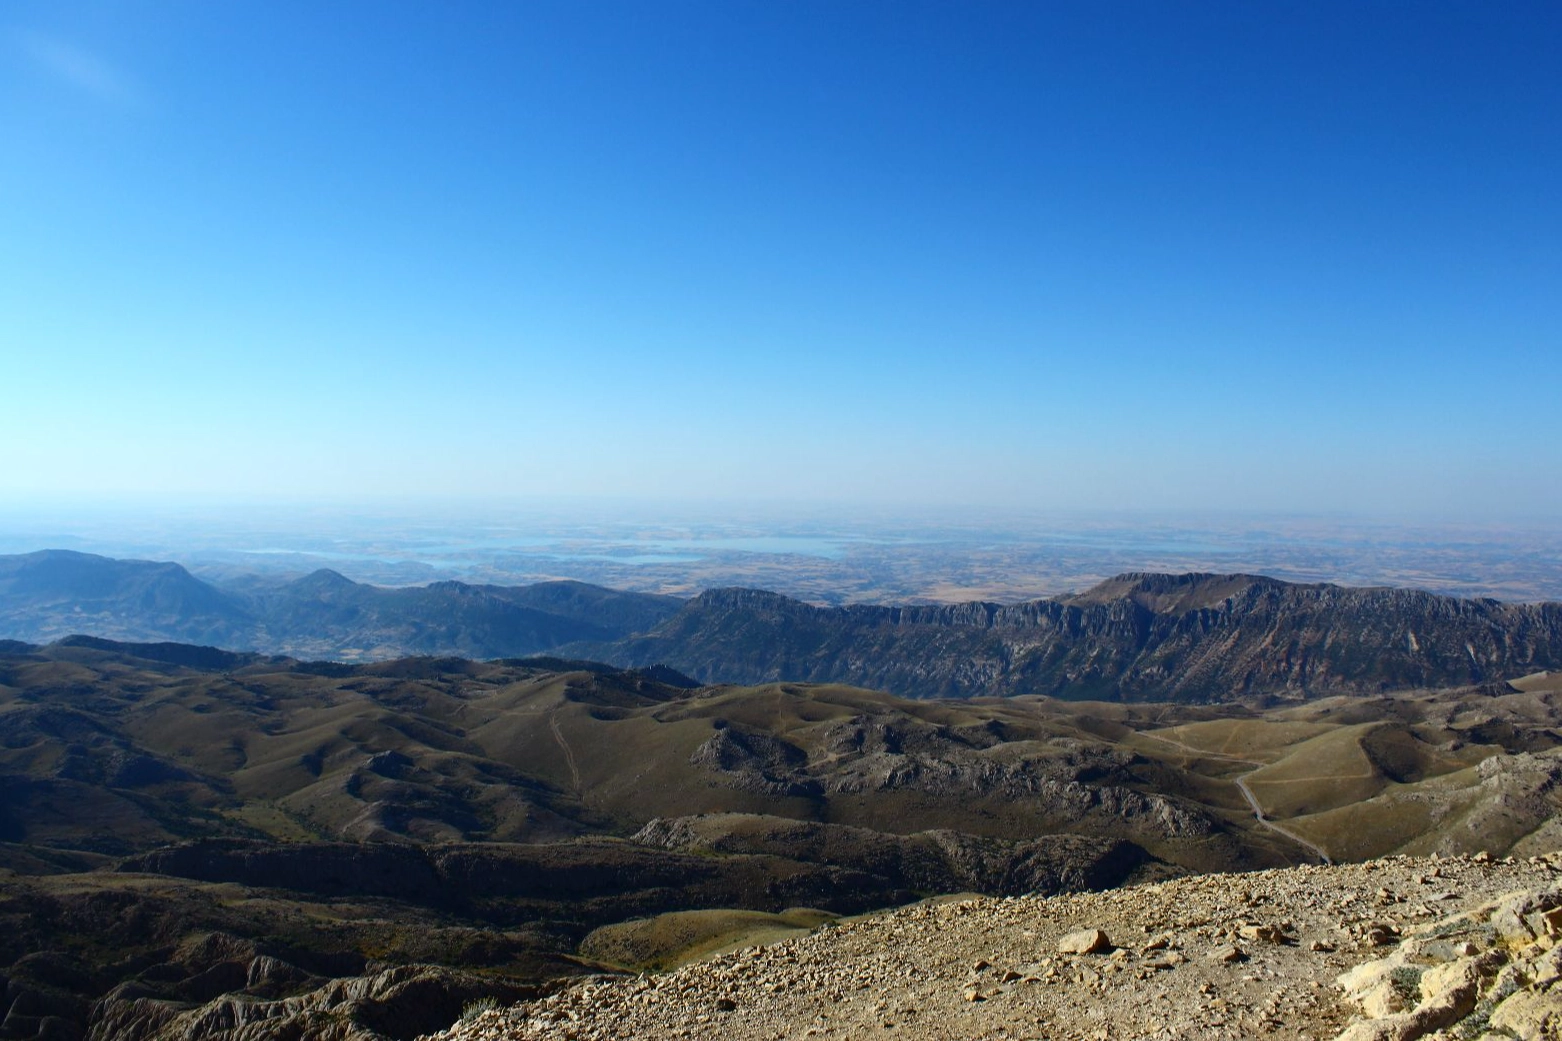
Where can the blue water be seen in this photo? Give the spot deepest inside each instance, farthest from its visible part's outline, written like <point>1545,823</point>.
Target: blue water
<point>797,545</point>
<point>625,558</point>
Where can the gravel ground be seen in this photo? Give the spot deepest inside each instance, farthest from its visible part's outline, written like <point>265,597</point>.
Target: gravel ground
<point>1214,956</point>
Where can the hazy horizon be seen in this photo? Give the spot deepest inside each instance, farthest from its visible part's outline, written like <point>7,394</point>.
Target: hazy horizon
<point>822,554</point>
<point>990,257</point>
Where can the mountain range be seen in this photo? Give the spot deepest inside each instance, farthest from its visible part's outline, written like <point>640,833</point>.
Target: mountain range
<point>55,593</point>
<point>220,842</point>
<point>1137,637</point>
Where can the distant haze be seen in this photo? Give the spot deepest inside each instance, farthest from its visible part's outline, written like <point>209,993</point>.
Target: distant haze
<point>993,256</point>
<point>819,553</point>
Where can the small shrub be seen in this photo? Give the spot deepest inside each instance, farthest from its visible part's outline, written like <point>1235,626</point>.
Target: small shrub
<point>477,1006</point>
<point>1407,981</point>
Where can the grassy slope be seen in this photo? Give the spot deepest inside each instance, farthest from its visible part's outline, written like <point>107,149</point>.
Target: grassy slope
<point>431,750</point>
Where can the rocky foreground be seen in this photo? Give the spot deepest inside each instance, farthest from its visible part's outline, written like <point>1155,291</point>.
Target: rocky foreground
<point>1401,948</point>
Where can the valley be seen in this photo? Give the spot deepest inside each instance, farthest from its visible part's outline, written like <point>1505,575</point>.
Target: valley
<point>398,827</point>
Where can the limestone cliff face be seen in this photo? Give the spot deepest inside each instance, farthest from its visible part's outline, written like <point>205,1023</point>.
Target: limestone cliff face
<point>1136,637</point>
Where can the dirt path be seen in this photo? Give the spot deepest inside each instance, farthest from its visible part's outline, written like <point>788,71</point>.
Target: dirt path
<point>1279,829</point>
<point>569,754</point>
<point>1247,793</point>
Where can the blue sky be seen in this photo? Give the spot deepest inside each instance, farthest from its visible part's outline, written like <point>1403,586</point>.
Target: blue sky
<point>1287,256</point>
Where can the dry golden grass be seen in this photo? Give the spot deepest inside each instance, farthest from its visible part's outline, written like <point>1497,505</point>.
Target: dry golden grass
<point>1317,774</point>
<point>1263,740</point>
<point>1394,821</point>
<point>1538,682</point>
<point>510,753</point>
<point>669,940</point>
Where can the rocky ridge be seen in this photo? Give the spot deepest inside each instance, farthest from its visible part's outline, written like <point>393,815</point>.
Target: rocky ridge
<point>1402,948</point>
<point>388,1003</point>
<point>1137,637</point>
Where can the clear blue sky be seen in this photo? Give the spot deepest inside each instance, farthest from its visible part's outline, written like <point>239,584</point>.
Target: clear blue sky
<point>1088,255</point>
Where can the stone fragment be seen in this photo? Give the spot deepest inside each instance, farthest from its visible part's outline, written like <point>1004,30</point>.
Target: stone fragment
<point>1521,917</point>
<point>1229,954</point>
<point>1084,941</point>
<point>1382,935</point>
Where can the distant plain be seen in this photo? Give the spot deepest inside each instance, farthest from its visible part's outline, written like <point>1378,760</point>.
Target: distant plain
<point>818,555</point>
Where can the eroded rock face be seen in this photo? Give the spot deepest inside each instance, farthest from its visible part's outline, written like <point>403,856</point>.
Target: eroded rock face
<point>756,763</point>
<point>220,987</point>
<point>1194,637</point>
<point>40,997</point>
<point>391,1005</point>
<point>870,754</point>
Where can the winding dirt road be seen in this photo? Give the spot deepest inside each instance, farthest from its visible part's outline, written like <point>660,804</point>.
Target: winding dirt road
<point>1279,829</point>
<point>1247,793</point>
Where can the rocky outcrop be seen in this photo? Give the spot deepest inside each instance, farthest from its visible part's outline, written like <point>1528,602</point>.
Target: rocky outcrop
<point>1496,968</point>
<point>875,754</point>
<point>1137,637</point>
<point>755,762</point>
<point>390,1005</point>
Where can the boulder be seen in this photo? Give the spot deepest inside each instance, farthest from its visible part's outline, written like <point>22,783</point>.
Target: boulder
<point>1084,941</point>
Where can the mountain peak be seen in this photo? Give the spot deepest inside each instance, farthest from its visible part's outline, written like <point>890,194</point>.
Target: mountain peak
<point>324,579</point>
<point>1173,594</point>
<point>742,596</point>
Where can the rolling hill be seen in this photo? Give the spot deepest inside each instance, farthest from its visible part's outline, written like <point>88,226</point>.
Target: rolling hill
<point>113,749</point>
<point>192,837</point>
